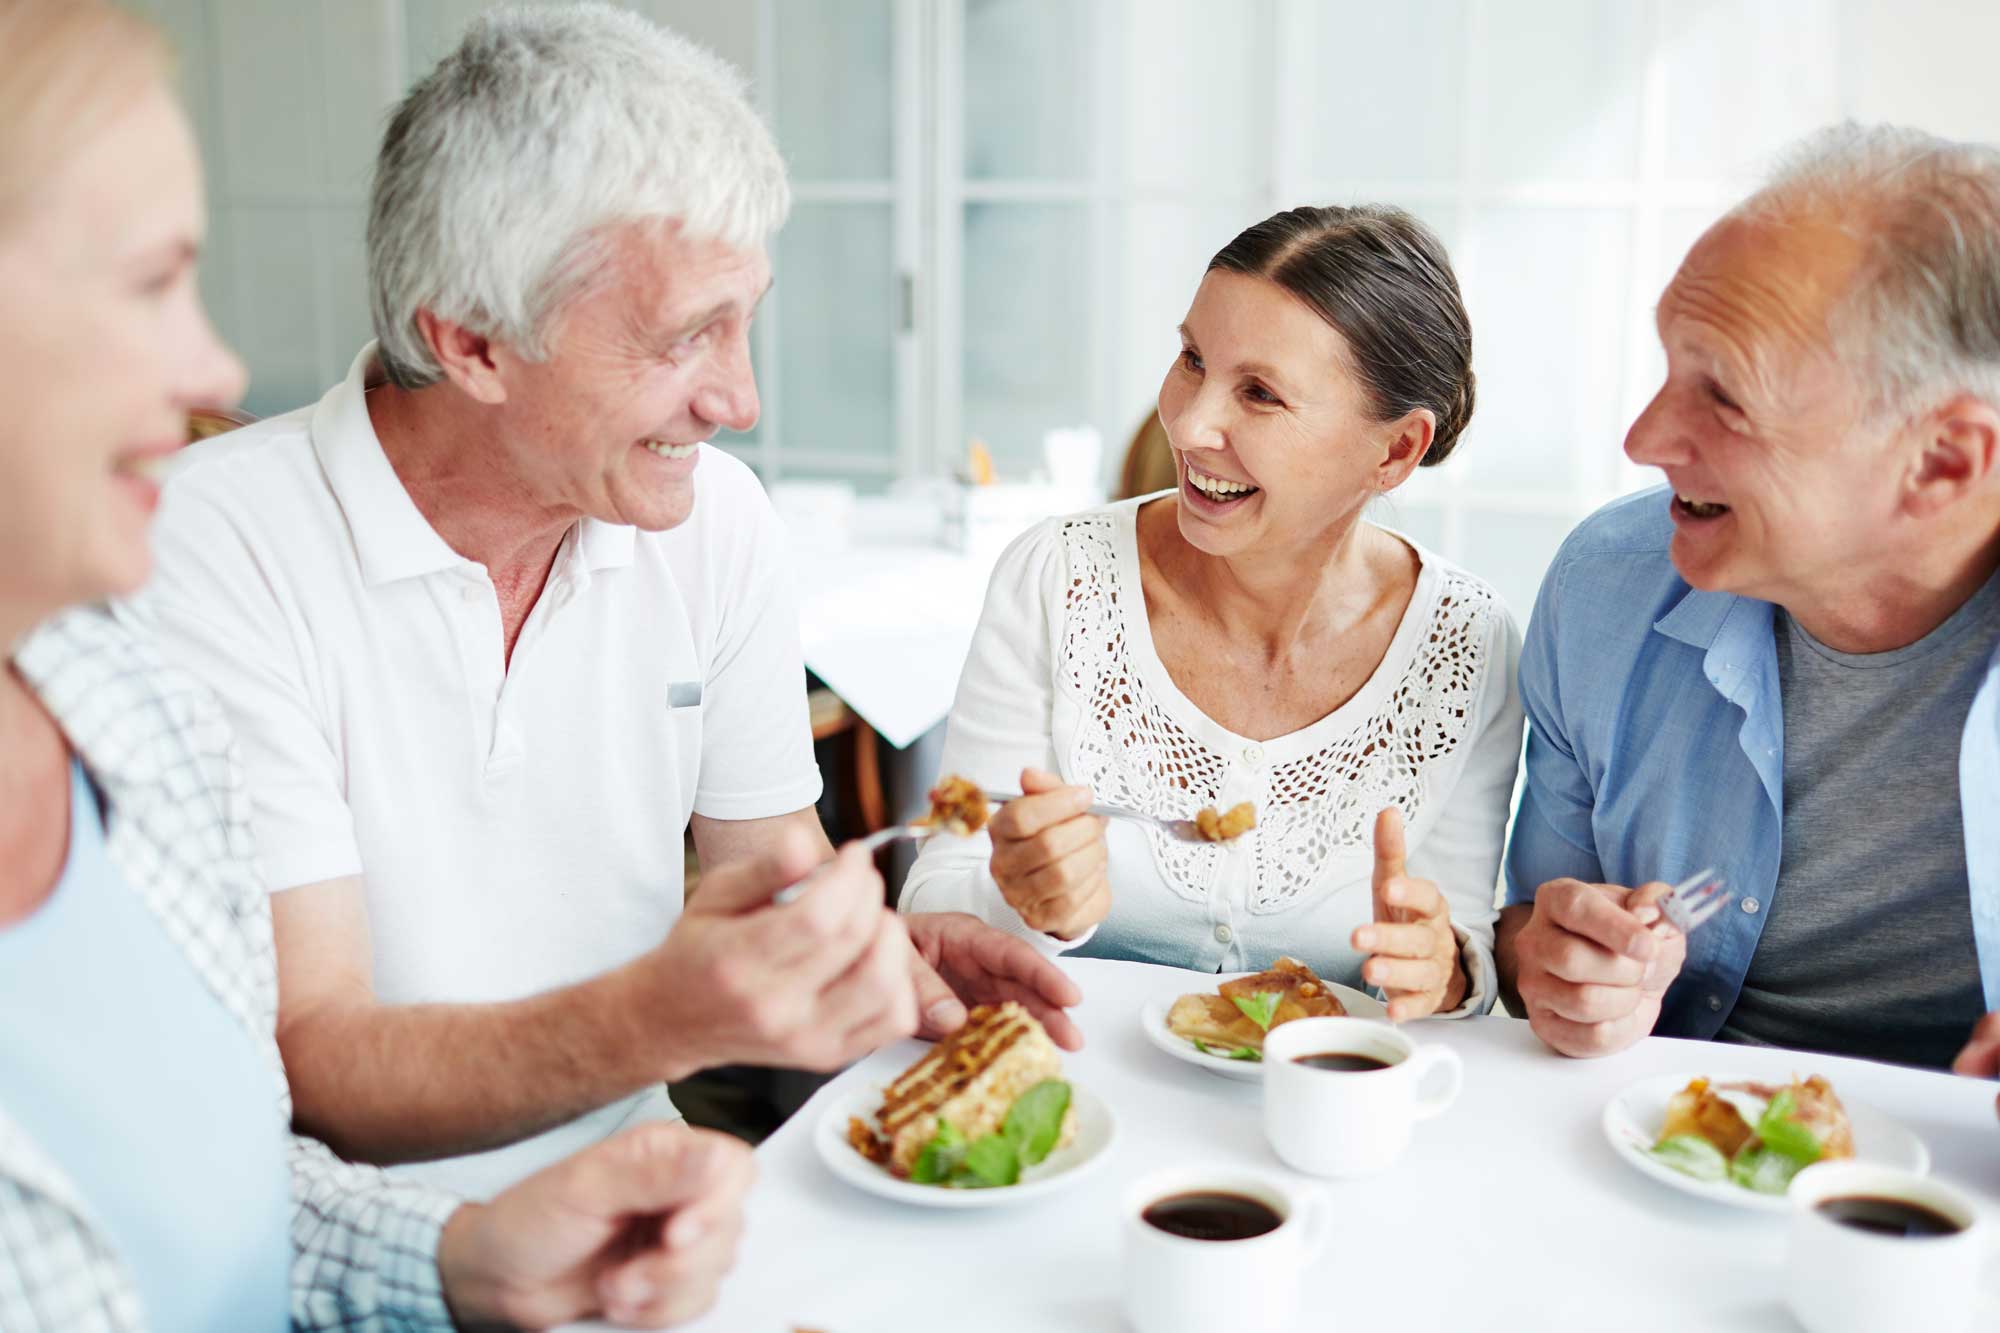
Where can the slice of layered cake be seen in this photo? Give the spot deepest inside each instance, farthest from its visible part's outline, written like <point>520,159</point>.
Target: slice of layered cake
<point>969,1081</point>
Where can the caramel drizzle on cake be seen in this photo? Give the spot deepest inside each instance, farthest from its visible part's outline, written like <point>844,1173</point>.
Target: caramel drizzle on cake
<point>951,1065</point>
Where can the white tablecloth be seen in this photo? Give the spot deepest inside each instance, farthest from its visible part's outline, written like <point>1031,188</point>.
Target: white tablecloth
<point>1510,1211</point>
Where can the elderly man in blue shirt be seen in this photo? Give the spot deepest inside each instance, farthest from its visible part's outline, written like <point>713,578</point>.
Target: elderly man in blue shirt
<point>1782,664</point>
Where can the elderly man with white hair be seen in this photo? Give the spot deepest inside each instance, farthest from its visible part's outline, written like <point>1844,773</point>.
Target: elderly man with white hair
<point>1782,666</point>
<point>494,625</point>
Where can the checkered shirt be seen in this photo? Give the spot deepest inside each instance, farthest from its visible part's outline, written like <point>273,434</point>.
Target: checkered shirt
<point>177,827</point>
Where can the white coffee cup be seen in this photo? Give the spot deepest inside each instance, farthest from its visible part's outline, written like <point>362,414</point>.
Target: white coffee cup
<point>1338,1123</point>
<point>1177,1284</point>
<point>1840,1279</point>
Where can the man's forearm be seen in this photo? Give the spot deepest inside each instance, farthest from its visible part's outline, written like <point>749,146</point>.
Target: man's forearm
<point>400,1083</point>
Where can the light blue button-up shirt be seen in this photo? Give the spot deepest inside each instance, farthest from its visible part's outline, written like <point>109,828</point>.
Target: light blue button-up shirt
<point>1656,749</point>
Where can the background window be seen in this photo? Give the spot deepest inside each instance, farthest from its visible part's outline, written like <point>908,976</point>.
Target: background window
<point>1005,205</point>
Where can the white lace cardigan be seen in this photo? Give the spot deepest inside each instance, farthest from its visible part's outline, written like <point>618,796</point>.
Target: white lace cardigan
<point>1063,675</point>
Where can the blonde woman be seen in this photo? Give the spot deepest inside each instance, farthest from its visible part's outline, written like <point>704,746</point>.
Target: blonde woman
<point>148,1176</point>
<point>1248,636</point>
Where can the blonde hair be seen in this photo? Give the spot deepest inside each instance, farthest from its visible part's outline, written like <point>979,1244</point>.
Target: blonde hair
<point>70,66</point>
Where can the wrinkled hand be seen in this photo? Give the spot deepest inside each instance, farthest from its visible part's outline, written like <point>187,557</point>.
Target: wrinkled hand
<point>639,1229</point>
<point>1981,1056</point>
<point>815,984</point>
<point>1049,857</point>
<point>966,961</point>
<point>1413,954</point>
<point>1594,962</point>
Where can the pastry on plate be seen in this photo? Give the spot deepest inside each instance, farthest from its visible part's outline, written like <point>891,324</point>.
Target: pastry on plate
<point>1232,1019</point>
<point>1758,1135</point>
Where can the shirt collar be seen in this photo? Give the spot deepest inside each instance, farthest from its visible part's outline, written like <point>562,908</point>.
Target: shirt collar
<point>1734,634</point>
<point>1698,617</point>
<point>391,535</point>
<point>392,538</point>
<point>605,545</point>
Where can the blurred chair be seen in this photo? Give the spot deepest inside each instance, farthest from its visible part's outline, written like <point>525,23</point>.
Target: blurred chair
<point>860,794</point>
<point>1149,461</point>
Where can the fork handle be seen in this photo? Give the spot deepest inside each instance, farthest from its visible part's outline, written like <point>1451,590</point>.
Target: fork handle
<point>871,844</point>
<point>1101,810</point>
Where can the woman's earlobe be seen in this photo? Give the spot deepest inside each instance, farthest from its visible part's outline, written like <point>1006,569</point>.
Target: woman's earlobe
<point>1411,440</point>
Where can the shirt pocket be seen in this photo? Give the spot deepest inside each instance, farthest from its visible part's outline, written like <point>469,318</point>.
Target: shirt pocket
<point>684,731</point>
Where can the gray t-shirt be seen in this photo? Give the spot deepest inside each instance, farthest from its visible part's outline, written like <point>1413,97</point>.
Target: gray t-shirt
<point>1868,947</point>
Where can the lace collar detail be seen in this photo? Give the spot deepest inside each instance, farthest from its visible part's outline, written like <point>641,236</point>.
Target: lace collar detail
<point>1143,744</point>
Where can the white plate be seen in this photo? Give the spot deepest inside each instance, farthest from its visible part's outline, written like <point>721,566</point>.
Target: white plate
<point>1095,1128</point>
<point>1632,1121</point>
<point>1153,1018</point>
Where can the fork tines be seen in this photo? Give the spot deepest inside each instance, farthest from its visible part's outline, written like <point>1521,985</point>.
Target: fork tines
<point>1694,900</point>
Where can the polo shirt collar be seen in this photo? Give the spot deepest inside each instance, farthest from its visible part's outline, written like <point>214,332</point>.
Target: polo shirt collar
<point>392,539</point>
<point>605,545</point>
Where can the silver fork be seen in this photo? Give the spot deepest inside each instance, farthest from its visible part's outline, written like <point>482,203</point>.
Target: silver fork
<point>1694,900</point>
<point>871,844</point>
<point>1180,830</point>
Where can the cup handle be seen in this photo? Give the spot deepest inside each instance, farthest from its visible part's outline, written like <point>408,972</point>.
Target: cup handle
<point>1427,1060</point>
<point>1315,1224</point>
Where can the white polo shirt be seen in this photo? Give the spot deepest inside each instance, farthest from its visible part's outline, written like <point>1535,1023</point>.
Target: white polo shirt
<point>518,827</point>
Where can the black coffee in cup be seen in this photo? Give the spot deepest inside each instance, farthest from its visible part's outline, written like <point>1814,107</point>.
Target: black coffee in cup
<point>1342,1061</point>
<point>1888,1217</point>
<point>1212,1215</point>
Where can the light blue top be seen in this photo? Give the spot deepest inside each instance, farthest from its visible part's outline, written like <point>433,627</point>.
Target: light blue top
<point>1656,749</point>
<point>125,1068</point>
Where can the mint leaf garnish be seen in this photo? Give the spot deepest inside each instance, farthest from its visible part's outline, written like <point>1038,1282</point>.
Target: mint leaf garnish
<point>1758,1168</point>
<point>941,1157</point>
<point>1693,1155</point>
<point>1028,1136</point>
<point>1260,1008</point>
<point>1035,1121</point>
<point>1783,1133</point>
<point>992,1160</point>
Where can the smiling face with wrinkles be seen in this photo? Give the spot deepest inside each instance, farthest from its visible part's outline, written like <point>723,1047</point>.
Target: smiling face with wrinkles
<point>1274,442</point>
<point>650,361</point>
<point>1785,477</point>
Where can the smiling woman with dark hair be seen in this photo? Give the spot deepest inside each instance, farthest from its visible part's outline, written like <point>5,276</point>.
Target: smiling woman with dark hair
<point>1250,637</point>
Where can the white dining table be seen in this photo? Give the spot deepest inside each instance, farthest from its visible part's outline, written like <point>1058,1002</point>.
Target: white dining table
<point>1509,1212</point>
